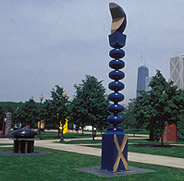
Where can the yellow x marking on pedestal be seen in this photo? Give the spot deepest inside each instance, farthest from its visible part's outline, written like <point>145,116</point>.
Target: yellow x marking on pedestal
<point>120,152</point>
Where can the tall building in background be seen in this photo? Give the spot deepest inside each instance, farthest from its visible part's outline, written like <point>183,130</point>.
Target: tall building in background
<point>148,80</point>
<point>177,70</point>
<point>143,72</point>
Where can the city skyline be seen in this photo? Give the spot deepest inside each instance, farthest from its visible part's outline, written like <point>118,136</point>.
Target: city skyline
<point>143,72</point>
<point>48,43</point>
<point>177,70</point>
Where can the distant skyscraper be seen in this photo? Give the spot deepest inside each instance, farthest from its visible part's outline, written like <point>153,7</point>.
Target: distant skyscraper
<point>177,70</point>
<point>148,80</point>
<point>143,72</point>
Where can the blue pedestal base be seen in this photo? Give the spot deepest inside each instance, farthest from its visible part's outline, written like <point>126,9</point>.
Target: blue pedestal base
<point>114,150</point>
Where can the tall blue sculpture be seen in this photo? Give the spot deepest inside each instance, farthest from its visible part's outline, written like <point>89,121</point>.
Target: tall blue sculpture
<point>115,141</point>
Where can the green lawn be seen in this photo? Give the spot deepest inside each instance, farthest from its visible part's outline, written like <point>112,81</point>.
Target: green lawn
<point>60,165</point>
<point>131,131</point>
<point>84,142</point>
<point>151,142</point>
<point>174,151</point>
<point>140,131</point>
<point>54,135</point>
<point>90,141</point>
<point>148,141</point>
<point>145,146</point>
<point>6,144</point>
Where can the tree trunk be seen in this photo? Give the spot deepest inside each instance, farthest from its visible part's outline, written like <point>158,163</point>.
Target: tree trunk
<point>162,140</point>
<point>151,135</point>
<point>162,130</point>
<point>162,135</point>
<point>82,130</point>
<point>58,132</point>
<point>93,133</point>
<point>134,130</point>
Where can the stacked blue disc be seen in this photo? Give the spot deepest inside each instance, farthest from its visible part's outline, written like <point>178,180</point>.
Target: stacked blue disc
<point>117,41</point>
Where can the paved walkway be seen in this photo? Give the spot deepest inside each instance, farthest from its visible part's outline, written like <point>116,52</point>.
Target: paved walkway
<point>135,157</point>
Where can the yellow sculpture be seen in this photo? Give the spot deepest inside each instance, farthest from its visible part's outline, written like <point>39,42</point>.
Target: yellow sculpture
<point>41,125</point>
<point>65,126</point>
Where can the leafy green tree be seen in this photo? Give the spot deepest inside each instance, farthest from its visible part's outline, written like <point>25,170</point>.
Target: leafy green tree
<point>145,114</point>
<point>59,101</point>
<point>28,114</point>
<point>89,106</point>
<point>49,115</point>
<point>77,112</point>
<point>129,116</point>
<point>56,108</point>
<point>180,127</point>
<point>180,114</point>
<point>161,104</point>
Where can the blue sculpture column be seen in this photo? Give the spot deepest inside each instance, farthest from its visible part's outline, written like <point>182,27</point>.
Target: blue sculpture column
<point>115,141</point>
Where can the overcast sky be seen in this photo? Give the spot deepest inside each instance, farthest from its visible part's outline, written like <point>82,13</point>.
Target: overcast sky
<point>44,43</point>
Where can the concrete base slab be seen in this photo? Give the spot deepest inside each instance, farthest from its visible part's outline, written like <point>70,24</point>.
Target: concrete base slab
<point>103,173</point>
<point>11,153</point>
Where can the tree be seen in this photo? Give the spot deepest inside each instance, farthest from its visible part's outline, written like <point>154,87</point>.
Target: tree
<point>49,114</point>
<point>58,100</point>
<point>58,105</point>
<point>129,116</point>
<point>28,114</point>
<point>180,114</point>
<point>161,104</point>
<point>89,106</point>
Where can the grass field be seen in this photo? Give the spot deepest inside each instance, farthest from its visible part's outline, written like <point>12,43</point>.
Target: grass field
<point>60,165</point>
<point>90,141</point>
<point>149,148</point>
<point>140,131</point>
<point>175,151</point>
<point>54,135</point>
<point>141,146</point>
<point>84,142</point>
<point>5,144</point>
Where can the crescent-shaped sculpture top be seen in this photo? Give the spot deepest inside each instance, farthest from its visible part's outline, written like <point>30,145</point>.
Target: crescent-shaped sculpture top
<point>118,18</point>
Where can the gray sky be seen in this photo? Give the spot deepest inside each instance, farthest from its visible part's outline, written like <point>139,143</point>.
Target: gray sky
<point>48,42</point>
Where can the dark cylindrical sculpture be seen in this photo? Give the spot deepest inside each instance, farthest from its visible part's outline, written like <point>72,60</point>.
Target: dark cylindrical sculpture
<point>115,141</point>
<point>23,140</point>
